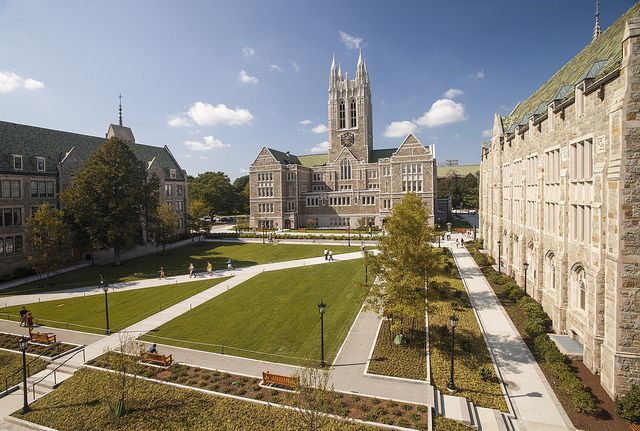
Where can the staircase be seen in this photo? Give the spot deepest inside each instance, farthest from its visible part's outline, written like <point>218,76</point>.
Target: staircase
<point>463,410</point>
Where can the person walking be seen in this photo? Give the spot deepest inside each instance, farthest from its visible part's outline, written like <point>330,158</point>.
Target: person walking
<point>229,266</point>
<point>161,272</point>
<point>331,255</point>
<point>457,243</point>
<point>326,254</point>
<point>209,268</point>
<point>191,270</point>
<point>23,316</point>
<point>29,323</point>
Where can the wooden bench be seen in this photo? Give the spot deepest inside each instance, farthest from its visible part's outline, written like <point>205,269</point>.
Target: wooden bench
<point>284,381</point>
<point>43,337</point>
<point>157,358</point>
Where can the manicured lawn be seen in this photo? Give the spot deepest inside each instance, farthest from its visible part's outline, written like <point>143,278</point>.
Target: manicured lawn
<point>83,403</point>
<point>125,308</point>
<point>11,364</point>
<point>177,260</point>
<point>276,314</point>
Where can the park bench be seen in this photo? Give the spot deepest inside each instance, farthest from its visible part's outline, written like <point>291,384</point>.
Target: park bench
<point>277,380</point>
<point>43,337</point>
<point>157,358</point>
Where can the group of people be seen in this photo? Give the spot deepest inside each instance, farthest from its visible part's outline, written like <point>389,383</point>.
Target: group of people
<point>26,319</point>
<point>459,242</point>
<point>192,269</point>
<point>328,254</point>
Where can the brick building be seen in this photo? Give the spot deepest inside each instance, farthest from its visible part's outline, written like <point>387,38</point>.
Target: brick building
<point>37,163</point>
<point>353,184</point>
<point>560,192</point>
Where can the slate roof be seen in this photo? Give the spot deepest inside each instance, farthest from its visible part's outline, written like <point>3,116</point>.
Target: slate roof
<point>284,158</point>
<point>375,155</point>
<point>53,145</point>
<point>599,58</point>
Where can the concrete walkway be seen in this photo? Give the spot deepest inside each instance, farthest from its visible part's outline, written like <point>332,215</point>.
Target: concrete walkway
<point>534,402</point>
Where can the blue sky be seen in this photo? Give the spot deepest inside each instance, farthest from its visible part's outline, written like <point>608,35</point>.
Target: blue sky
<point>216,81</point>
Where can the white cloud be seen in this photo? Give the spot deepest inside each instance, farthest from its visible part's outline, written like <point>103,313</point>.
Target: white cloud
<point>210,143</point>
<point>204,158</point>
<point>487,133</point>
<point>399,129</point>
<point>295,66</point>
<point>243,170</point>
<point>452,93</point>
<point>320,128</point>
<point>443,111</point>
<point>351,42</point>
<point>11,81</point>
<point>205,114</point>
<point>245,78</point>
<point>247,51</point>
<point>477,75</point>
<point>187,156</point>
<point>322,147</point>
<point>275,68</point>
<point>304,122</point>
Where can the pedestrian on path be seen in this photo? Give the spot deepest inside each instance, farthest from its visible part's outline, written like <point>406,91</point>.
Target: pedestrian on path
<point>229,266</point>
<point>209,268</point>
<point>29,322</point>
<point>23,316</point>
<point>191,270</point>
<point>326,254</point>
<point>457,245</point>
<point>161,272</point>
<point>331,255</point>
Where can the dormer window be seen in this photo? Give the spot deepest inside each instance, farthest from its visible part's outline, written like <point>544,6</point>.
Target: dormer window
<point>40,164</point>
<point>172,173</point>
<point>17,162</point>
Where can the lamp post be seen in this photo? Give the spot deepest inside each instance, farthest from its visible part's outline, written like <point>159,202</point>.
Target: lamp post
<point>474,232</point>
<point>499,257</point>
<point>453,319</point>
<point>526,267</point>
<point>349,235</point>
<point>105,288</point>
<point>23,343</point>
<point>321,310</point>
<point>263,227</point>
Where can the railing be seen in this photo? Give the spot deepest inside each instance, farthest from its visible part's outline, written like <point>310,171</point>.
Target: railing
<point>54,371</point>
<point>6,380</point>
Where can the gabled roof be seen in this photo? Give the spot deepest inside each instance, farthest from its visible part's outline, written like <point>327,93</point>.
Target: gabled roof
<point>597,59</point>
<point>284,158</point>
<point>123,133</point>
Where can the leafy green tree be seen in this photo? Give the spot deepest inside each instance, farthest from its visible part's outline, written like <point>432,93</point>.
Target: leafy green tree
<point>215,190</point>
<point>404,264</point>
<point>469,190</point>
<point>241,186</point>
<point>198,221</point>
<point>48,233</point>
<point>109,198</point>
<point>165,226</point>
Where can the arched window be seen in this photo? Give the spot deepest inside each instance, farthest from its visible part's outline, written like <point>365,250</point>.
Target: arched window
<point>353,113</point>
<point>341,117</point>
<point>550,270</point>
<point>580,287</point>
<point>345,169</point>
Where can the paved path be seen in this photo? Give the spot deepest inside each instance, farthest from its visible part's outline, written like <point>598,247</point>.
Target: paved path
<point>534,402</point>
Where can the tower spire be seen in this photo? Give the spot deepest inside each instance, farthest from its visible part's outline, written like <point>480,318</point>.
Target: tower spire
<point>597,30</point>
<point>360,57</point>
<point>333,61</point>
<point>120,109</point>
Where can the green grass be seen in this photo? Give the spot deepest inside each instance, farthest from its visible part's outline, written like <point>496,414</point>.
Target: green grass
<point>11,364</point>
<point>125,308</point>
<point>177,260</point>
<point>275,313</point>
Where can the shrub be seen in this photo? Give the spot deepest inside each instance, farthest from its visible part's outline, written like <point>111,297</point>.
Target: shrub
<point>516,294</point>
<point>628,406</point>
<point>486,373</point>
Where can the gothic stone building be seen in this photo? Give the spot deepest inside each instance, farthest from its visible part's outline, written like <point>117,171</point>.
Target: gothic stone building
<point>560,191</point>
<point>36,164</point>
<point>352,184</point>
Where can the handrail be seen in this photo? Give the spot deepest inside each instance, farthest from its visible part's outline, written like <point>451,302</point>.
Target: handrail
<point>55,382</point>
<point>6,380</point>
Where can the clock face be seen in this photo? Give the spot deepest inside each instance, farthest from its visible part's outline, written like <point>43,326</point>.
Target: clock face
<point>347,139</point>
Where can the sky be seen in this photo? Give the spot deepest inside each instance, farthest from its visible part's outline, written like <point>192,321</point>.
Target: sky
<point>216,81</point>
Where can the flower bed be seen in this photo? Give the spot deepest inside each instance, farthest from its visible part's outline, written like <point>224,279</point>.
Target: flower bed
<point>350,405</point>
<point>10,341</point>
<point>11,365</point>
<point>443,424</point>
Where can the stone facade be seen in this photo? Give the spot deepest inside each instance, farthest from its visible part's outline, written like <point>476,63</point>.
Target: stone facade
<point>36,164</point>
<point>353,185</point>
<point>560,191</point>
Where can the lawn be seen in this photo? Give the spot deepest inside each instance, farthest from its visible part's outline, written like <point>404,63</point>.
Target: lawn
<point>177,260</point>
<point>86,313</point>
<point>83,403</point>
<point>274,316</point>
<point>11,364</point>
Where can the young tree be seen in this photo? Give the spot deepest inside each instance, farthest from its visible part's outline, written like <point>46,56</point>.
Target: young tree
<point>121,384</point>
<point>165,225</point>
<point>109,198</point>
<point>404,264</point>
<point>313,398</point>
<point>48,232</point>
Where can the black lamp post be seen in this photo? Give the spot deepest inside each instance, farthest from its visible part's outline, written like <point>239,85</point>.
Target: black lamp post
<point>453,319</point>
<point>439,235</point>
<point>23,343</point>
<point>474,232</point>
<point>349,235</point>
<point>499,257</point>
<point>263,227</point>
<point>321,310</point>
<point>105,288</point>
<point>526,267</point>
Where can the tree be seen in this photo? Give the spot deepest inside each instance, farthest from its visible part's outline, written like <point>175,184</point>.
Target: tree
<point>119,390</point>
<point>312,399</point>
<point>198,221</point>
<point>404,264</point>
<point>165,225</point>
<point>110,198</point>
<point>241,186</point>
<point>48,233</point>
<point>469,191</point>
<point>215,190</point>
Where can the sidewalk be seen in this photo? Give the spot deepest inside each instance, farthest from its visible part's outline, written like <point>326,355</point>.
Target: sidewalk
<point>534,402</point>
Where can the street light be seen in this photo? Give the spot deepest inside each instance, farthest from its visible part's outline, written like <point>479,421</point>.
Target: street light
<point>525,266</point>
<point>349,234</point>
<point>499,257</point>
<point>321,310</point>
<point>453,320</point>
<point>105,288</point>
<point>263,227</point>
<point>24,343</point>
<point>474,232</point>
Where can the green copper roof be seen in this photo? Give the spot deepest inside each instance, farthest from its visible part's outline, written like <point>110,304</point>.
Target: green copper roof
<point>376,155</point>
<point>461,171</point>
<point>597,59</point>
<point>310,160</point>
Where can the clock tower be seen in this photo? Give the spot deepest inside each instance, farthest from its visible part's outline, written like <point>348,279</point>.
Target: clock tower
<point>350,121</point>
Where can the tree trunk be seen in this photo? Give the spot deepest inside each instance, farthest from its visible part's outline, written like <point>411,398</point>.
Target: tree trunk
<point>116,255</point>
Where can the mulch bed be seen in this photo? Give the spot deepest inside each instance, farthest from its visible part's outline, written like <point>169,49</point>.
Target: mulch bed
<point>10,341</point>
